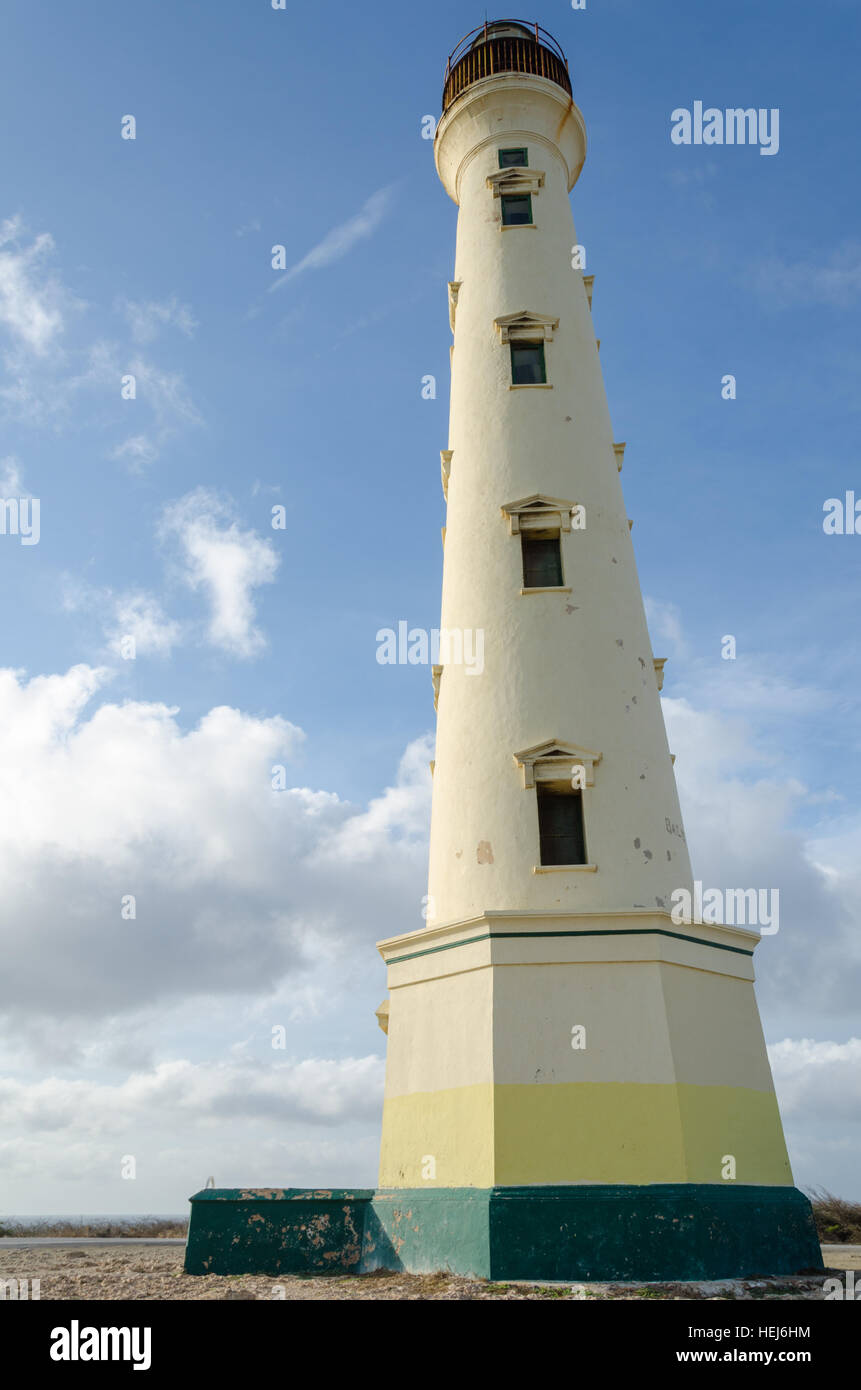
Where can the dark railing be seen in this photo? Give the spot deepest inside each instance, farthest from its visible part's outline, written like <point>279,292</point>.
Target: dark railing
<point>540,56</point>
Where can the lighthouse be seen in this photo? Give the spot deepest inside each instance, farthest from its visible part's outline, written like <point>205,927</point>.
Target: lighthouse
<point>577,1086</point>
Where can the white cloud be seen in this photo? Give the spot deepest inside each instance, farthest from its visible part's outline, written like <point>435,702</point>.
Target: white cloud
<point>232,890</point>
<point>402,812</point>
<point>227,563</point>
<point>697,174</point>
<point>33,302</point>
<point>243,1121</point>
<point>134,613</point>
<point>317,1089</point>
<point>342,238</point>
<point>138,452</point>
<point>243,921</point>
<point>140,616</point>
<point>39,387</point>
<point>40,391</point>
<point>146,318</point>
<point>742,803</point>
<point>818,1085</point>
<point>743,806</point>
<point>165,394</point>
<point>665,623</point>
<point>819,1073</point>
<point>11,482</point>
<point>835,281</point>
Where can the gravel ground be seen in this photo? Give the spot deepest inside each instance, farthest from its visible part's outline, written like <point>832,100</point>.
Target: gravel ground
<point>153,1274</point>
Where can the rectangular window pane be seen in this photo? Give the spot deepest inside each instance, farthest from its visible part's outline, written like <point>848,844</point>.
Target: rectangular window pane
<point>516,211</point>
<point>542,561</point>
<point>560,826</point>
<point>509,159</point>
<point>527,364</point>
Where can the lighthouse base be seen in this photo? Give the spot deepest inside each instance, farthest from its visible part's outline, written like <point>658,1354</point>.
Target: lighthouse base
<point>663,1232</point>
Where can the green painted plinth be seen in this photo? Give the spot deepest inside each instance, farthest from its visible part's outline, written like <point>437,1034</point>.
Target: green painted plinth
<point>276,1230</point>
<point>662,1232</point>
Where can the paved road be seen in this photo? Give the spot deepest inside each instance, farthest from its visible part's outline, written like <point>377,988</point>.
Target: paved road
<point>842,1256</point>
<point>73,1242</point>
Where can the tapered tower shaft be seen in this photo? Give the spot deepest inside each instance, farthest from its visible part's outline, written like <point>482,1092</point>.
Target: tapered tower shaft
<point>567,663</point>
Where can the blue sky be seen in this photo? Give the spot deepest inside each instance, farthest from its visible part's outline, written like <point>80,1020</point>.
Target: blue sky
<point>303,128</point>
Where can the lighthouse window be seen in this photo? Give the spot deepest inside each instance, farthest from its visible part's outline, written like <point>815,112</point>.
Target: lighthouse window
<point>516,209</point>
<point>527,364</point>
<point>542,561</point>
<point>511,159</point>
<point>560,826</point>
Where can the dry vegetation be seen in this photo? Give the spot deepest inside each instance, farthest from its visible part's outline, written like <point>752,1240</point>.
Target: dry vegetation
<point>837,1222</point>
<point>140,1227</point>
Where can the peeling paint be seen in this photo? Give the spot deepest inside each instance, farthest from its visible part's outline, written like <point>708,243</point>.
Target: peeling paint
<point>484,852</point>
<point>239,1231</point>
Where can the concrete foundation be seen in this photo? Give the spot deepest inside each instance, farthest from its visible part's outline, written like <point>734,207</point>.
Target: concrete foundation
<point>665,1231</point>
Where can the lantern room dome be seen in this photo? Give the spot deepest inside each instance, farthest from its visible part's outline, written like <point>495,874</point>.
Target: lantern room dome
<point>503,29</point>
<point>504,46</point>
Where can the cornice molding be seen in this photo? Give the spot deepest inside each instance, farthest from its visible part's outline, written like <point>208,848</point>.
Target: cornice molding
<point>552,760</point>
<point>526,326</point>
<point>538,512</point>
<point>517,179</point>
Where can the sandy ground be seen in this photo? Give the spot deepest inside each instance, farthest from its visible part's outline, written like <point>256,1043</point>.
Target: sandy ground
<point>153,1273</point>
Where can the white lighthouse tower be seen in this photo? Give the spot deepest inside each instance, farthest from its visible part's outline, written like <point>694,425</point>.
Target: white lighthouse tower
<point>577,1086</point>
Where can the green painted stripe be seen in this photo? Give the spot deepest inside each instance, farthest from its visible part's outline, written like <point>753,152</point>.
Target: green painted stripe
<point>664,1232</point>
<point>623,931</point>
